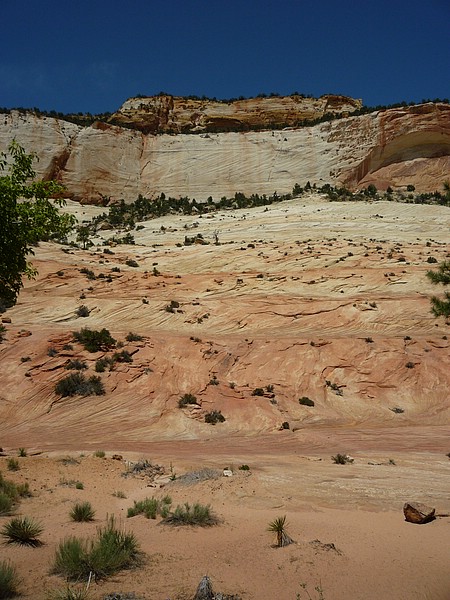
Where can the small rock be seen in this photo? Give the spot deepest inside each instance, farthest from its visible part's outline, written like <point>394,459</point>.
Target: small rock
<point>227,473</point>
<point>6,319</point>
<point>415,512</point>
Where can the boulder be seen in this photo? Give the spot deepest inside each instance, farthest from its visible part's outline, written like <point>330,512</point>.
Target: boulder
<point>415,512</point>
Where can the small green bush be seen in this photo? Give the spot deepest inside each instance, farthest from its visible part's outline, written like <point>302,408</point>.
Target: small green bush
<point>9,580</point>
<point>244,468</point>
<point>197,514</point>
<point>22,452</point>
<point>134,337</point>
<point>213,417</point>
<point>123,357</point>
<point>99,454</point>
<point>131,263</point>
<point>76,384</point>
<point>112,550</point>
<point>82,311</point>
<point>258,392</point>
<point>93,340</point>
<point>150,507</point>
<point>76,364</point>
<point>305,401</point>
<point>342,459</point>
<point>82,512</point>
<point>6,504</point>
<point>23,531</point>
<point>187,399</point>
<point>13,464</point>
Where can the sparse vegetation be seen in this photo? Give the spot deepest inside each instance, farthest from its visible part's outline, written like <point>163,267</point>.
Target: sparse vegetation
<point>9,580</point>
<point>76,364</point>
<point>187,399</point>
<point>112,550</point>
<point>22,530</point>
<point>342,459</point>
<point>441,307</point>
<point>70,593</point>
<point>22,452</point>
<point>278,526</point>
<point>305,401</point>
<point>12,464</point>
<point>258,392</point>
<point>214,416</point>
<point>76,384</point>
<point>99,454</point>
<point>119,494</point>
<point>196,514</point>
<point>134,337</point>
<point>82,512</point>
<point>82,311</point>
<point>151,507</point>
<point>93,340</point>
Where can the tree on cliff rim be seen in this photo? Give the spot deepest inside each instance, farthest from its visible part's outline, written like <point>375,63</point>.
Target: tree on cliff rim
<point>27,216</point>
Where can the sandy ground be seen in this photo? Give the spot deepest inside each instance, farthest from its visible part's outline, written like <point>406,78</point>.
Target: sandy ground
<point>292,294</point>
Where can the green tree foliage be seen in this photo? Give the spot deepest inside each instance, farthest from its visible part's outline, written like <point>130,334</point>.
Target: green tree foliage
<point>26,217</point>
<point>439,306</point>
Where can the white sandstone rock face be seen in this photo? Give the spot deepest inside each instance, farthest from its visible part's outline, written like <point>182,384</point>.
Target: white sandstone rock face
<point>394,147</point>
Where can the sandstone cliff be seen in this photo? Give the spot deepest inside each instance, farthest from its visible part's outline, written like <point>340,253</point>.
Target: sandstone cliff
<point>171,114</point>
<point>396,147</point>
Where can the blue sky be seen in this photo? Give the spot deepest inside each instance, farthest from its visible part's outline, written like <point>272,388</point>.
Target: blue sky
<point>91,55</point>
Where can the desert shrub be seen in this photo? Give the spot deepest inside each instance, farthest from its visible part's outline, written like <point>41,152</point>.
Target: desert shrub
<point>76,384</point>
<point>258,392</point>
<point>82,311</point>
<point>99,454</point>
<point>93,340</point>
<point>305,401</point>
<point>79,485</point>
<point>172,306</point>
<point>244,468</point>
<point>70,593</point>
<point>9,580</point>
<point>82,512</point>
<point>134,337</point>
<point>131,263</point>
<point>23,489</point>
<point>150,507</point>
<point>6,504</point>
<point>22,452</point>
<point>13,464</point>
<point>103,363</point>
<point>110,551</point>
<point>76,364</point>
<point>409,365</point>
<point>197,514</point>
<point>88,272</point>
<point>397,410</point>
<point>52,352</point>
<point>342,459</point>
<point>213,417</point>
<point>23,531</point>
<point>187,399</point>
<point>124,357</point>
<point>119,494</point>
<point>285,425</point>
<point>25,359</point>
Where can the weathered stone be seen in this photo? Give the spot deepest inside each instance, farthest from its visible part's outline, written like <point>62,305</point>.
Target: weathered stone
<point>415,512</point>
<point>395,147</point>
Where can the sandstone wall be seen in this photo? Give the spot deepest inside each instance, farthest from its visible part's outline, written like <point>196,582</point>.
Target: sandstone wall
<point>394,147</point>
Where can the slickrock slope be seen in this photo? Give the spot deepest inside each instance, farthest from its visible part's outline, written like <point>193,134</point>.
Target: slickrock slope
<point>317,299</point>
<point>395,147</point>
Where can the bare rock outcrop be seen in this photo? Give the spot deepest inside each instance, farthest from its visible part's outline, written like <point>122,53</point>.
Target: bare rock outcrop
<point>395,147</point>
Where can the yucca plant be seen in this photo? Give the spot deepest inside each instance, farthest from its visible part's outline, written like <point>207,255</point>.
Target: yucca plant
<point>278,526</point>
<point>82,512</point>
<point>70,593</point>
<point>23,531</point>
<point>9,580</point>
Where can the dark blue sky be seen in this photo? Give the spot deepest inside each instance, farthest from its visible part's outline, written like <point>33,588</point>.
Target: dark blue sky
<point>91,55</point>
